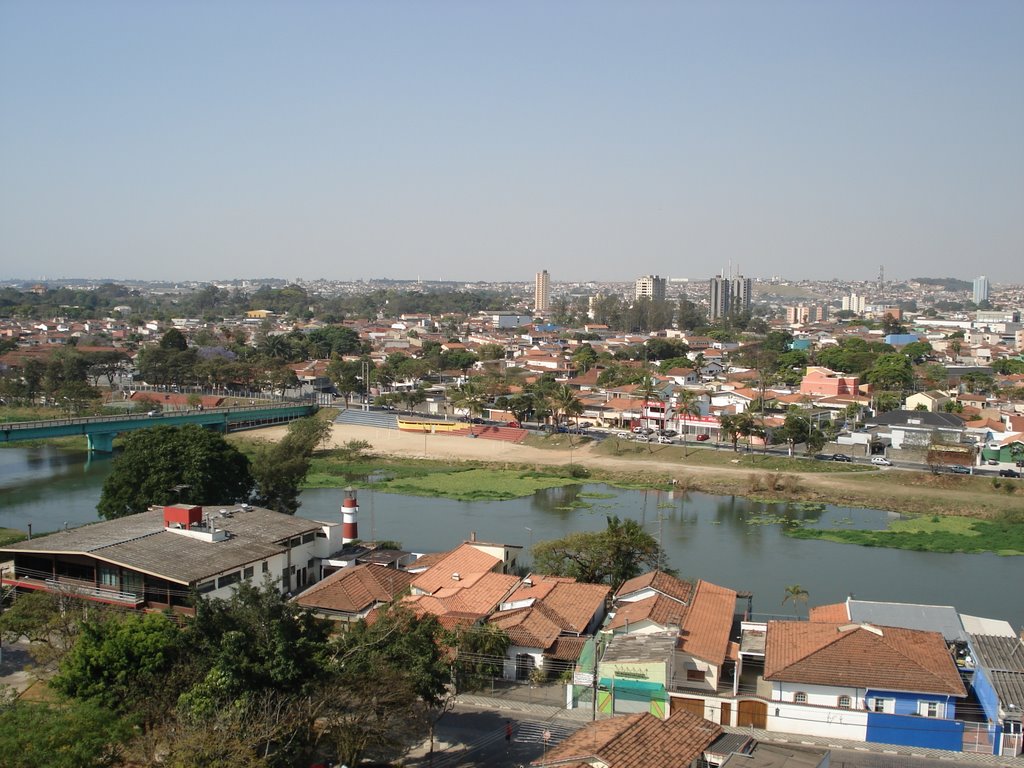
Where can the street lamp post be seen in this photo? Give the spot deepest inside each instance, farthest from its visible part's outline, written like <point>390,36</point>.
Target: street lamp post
<point>530,531</point>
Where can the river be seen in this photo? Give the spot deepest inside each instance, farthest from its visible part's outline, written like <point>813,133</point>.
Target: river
<point>727,540</point>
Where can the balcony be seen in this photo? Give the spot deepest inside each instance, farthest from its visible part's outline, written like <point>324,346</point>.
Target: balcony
<point>64,585</point>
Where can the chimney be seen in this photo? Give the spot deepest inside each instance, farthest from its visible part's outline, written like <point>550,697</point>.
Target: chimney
<point>472,535</point>
<point>455,577</point>
<point>349,510</point>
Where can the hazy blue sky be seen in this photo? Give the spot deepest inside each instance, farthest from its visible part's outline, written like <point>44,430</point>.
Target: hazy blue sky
<point>485,140</point>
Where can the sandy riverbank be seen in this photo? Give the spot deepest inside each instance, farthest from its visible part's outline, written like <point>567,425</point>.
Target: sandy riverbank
<point>886,489</point>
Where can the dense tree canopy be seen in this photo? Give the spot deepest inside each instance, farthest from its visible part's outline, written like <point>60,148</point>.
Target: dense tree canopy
<point>620,552</point>
<point>166,465</point>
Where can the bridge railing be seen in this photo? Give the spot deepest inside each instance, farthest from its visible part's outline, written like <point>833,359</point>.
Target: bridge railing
<point>85,420</point>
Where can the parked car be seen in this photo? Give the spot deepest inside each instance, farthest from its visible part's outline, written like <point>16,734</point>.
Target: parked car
<point>841,457</point>
<point>665,440</point>
<point>153,413</point>
<point>958,469</point>
<point>881,461</point>
<point>1009,473</point>
<point>993,462</point>
<point>703,437</point>
<point>515,424</point>
<point>667,432</point>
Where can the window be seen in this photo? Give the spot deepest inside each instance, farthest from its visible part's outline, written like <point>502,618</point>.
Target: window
<point>295,542</point>
<point>206,586</point>
<point>309,563</point>
<point>266,566</point>
<point>308,537</point>
<point>247,573</point>
<point>696,675</point>
<point>800,697</point>
<point>844,702</point>
<point>878,704</point>
<point>229,579</point>
<point>928,708</point>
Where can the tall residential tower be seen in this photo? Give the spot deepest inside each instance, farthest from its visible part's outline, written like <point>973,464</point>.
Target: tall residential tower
<point>541,291</point>
<point>651,286</point>
<point>980,289</point>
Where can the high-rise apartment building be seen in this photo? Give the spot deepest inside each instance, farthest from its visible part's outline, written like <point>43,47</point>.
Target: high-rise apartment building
<point>651,286</point>
<point>980,289</point>
<point>740,294</point>
<point>541,291</point>
<point>807,313</point>
<point>854,303</point>
<point>719,289</point>
<point>729,295</point>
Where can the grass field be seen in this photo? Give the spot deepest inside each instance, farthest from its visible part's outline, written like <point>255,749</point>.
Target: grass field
<point>10,536</point>
<point>696,455</point>
<point>476,484</point>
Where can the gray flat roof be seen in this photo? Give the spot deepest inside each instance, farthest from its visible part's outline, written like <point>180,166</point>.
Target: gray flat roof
<point>639,648</point>
<point>141,543</point>
<point>943,619</point>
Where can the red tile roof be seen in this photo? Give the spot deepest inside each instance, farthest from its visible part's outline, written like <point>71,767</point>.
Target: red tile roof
<point>861,656</point>
<point>636,741</point>
<point>705,631</point>
<point>658,581</point>
<point>837,613</point>
<point>353,590</point>
<point>464,561</point>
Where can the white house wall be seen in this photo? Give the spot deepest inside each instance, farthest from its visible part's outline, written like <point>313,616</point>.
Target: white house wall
<point>817,721</point>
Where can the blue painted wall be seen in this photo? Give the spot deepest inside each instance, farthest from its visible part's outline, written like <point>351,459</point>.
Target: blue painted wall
<point>905,730</point>
<point>906,727</point>
<point>989,704</point>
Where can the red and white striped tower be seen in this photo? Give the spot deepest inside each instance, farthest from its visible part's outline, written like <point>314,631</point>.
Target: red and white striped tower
<point>349,510</point>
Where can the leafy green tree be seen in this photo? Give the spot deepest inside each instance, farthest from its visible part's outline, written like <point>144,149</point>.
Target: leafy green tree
<point>279,469</point>
<point>891,371</point>
<point>174,340</point>
<point>165,465</point>
<point>347,377</point>
<point>620,552</point>
<point>729,428</point>
<point>120,663</point>
<point>74,735</point>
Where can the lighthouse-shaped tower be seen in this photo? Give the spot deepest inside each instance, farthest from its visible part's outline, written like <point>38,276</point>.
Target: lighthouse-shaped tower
<point>349,510</point>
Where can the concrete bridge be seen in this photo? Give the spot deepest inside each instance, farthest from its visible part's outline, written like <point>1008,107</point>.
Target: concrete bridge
<point>100,431</point>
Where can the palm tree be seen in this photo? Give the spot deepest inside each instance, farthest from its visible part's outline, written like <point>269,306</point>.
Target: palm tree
<point>687,405</point>
<point>471,397</point>
<point>729,426</point>
<point>565,403</point>
<point>797,594</point>
<point>649,389</point>
<point>276,347</point>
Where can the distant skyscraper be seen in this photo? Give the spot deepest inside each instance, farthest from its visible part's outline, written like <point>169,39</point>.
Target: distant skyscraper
<point>651,286</point>
<point>740,294</point>
<point>729,295</point>
<point>980,289</point>
<point>718,297</point>
<point>541,291</point>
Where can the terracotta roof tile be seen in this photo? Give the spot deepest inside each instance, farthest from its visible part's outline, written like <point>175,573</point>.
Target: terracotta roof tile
<point>576,604</point>
<point>463,560</point>
<point>636,741</point>
<point>706,628</point>
<point>659,581</point>
<point>860,655</point>
<point>659,609</point>
<point>834,613</point>
<point>353,590</point>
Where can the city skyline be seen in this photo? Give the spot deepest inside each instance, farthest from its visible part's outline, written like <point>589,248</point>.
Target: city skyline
<point>471,143</point>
